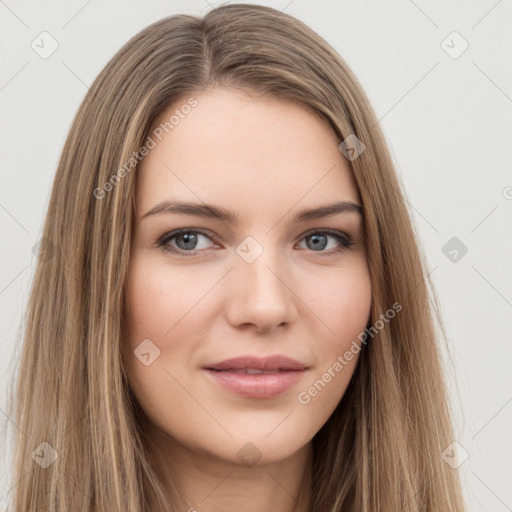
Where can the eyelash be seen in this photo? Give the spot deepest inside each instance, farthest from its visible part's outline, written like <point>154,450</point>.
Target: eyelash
<point>163,241</point>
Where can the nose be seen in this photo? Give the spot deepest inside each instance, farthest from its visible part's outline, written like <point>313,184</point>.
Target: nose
<point>261,294</point>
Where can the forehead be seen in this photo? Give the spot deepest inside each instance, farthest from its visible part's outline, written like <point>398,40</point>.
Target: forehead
<point>233,148</point>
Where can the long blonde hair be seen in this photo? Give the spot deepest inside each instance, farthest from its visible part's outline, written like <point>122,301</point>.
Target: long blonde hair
<point>381,448</point>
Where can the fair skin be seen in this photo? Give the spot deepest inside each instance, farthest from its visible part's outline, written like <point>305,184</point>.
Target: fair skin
<point>304,295</point>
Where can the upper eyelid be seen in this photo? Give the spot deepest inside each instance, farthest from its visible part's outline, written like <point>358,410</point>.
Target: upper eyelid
<point>176,232</point>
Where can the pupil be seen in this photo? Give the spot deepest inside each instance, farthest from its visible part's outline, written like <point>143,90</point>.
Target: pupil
<point>190,241</point>
<point>318,244</point>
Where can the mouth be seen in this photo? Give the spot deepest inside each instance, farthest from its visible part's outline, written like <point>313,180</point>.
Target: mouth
<point>254,377</point>
<point>250,371</point>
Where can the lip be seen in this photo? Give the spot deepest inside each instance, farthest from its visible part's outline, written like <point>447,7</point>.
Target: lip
<point>277,374</point>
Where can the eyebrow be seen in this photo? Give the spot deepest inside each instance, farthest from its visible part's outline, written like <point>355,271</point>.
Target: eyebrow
<point>217,212</point>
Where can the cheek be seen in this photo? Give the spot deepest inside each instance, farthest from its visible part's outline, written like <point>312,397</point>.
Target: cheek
<point>154,304</point>
<point>342,303</point>
<point>171,306</point>
<point>343,306</point>
<point>160,300</point>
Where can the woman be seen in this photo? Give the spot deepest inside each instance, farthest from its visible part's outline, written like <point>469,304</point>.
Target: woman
<point>235,312</point>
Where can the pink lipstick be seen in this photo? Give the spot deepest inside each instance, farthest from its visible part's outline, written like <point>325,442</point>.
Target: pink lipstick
<point>255,377</point>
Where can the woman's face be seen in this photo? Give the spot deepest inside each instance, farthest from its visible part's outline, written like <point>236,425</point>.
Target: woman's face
<point>249,277</point>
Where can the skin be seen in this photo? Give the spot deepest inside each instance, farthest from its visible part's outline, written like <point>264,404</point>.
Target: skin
<point>265,160</point>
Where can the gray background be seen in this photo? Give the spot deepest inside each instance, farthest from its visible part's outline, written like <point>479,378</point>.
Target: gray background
<point>446,116</point>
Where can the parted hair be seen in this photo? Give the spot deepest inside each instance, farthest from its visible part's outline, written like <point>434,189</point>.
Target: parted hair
<point>381,449</point>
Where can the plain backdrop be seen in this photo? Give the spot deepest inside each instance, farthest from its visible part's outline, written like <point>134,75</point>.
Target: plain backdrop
<point>439,76</point>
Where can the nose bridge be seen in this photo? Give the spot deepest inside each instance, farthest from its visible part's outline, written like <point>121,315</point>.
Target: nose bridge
<point>259,265</point>
<point>261,294</point>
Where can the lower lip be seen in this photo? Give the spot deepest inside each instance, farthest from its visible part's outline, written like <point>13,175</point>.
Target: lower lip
<point>259,385</point>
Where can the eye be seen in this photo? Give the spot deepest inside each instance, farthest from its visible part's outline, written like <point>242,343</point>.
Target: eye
<point>319,241</point>
<point>187,241</point>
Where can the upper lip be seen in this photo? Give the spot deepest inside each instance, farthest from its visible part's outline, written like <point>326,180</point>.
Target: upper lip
<point>277,362</point>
